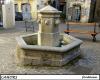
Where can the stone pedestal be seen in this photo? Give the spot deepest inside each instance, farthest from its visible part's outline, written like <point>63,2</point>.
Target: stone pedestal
<point>8,15</point>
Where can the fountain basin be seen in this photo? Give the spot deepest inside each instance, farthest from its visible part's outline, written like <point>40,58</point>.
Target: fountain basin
<point>29,53</point>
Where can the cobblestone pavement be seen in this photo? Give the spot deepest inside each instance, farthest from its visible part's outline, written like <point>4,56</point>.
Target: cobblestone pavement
<point>88,64</point>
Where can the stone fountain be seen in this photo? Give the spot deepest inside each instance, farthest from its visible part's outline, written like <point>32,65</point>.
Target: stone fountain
<point>48,46</point>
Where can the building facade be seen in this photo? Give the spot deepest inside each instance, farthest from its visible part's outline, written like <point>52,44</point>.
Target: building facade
<point>27,7</point>
<point>75,10</point>
<point>79,10</point>
<point>31,7</point>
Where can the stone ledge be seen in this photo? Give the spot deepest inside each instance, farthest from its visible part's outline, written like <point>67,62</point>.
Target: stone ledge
<point>74,43</point>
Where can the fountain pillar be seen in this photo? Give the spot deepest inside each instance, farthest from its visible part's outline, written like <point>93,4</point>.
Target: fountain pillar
<point>48,34</point>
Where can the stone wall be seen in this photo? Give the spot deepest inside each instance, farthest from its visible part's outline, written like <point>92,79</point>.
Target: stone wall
<point>50,58</point>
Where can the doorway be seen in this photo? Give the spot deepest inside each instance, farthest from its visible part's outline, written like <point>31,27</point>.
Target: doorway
<point>76,13</point>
